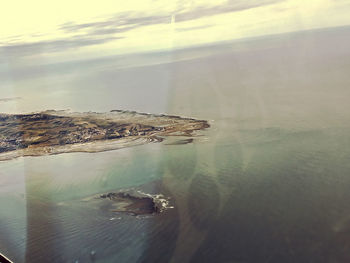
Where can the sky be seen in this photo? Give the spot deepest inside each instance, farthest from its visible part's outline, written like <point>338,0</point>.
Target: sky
<point>67,29</point>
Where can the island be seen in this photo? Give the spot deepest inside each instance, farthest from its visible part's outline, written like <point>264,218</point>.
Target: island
<point>135,203</point>
<point>54,132</point>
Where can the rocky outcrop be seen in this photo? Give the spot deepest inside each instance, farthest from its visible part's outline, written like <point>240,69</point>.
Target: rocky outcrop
<point>134,204</point>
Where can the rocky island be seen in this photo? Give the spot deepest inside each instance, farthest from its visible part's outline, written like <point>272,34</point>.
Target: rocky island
<point>135,203</point>
<point>54,132</point>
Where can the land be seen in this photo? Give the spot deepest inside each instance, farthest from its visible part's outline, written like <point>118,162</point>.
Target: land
<point>54,132</point>
<point>134,203</point>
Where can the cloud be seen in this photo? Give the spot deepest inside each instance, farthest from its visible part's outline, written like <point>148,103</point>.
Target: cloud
<point>23,49</point>
<point>192,28</point>
<point>231,6</point>
<point>128,21</point>
<point>107,31</point>
<point>118,24</point>
<point>111,29</point>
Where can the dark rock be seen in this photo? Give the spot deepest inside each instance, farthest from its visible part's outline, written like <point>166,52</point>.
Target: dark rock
<point>133,203</point>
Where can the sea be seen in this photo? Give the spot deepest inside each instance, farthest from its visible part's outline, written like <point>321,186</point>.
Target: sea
<point>268,182</point>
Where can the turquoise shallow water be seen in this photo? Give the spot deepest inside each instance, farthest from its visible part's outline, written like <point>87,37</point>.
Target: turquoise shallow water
<point>268,182</point>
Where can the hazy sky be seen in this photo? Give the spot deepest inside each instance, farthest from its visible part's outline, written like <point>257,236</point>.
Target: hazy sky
<point>68,29</point>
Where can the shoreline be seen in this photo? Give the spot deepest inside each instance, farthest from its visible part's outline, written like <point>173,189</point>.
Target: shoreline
<point>56,132</point>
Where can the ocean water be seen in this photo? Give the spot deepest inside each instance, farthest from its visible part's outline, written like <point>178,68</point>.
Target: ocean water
<point>267,182</point>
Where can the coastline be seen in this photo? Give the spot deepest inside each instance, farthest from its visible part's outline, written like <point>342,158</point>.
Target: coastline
<point>88,132</point>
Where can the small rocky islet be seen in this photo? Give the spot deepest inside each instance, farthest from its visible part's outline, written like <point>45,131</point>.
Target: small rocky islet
<point>135,203</point>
